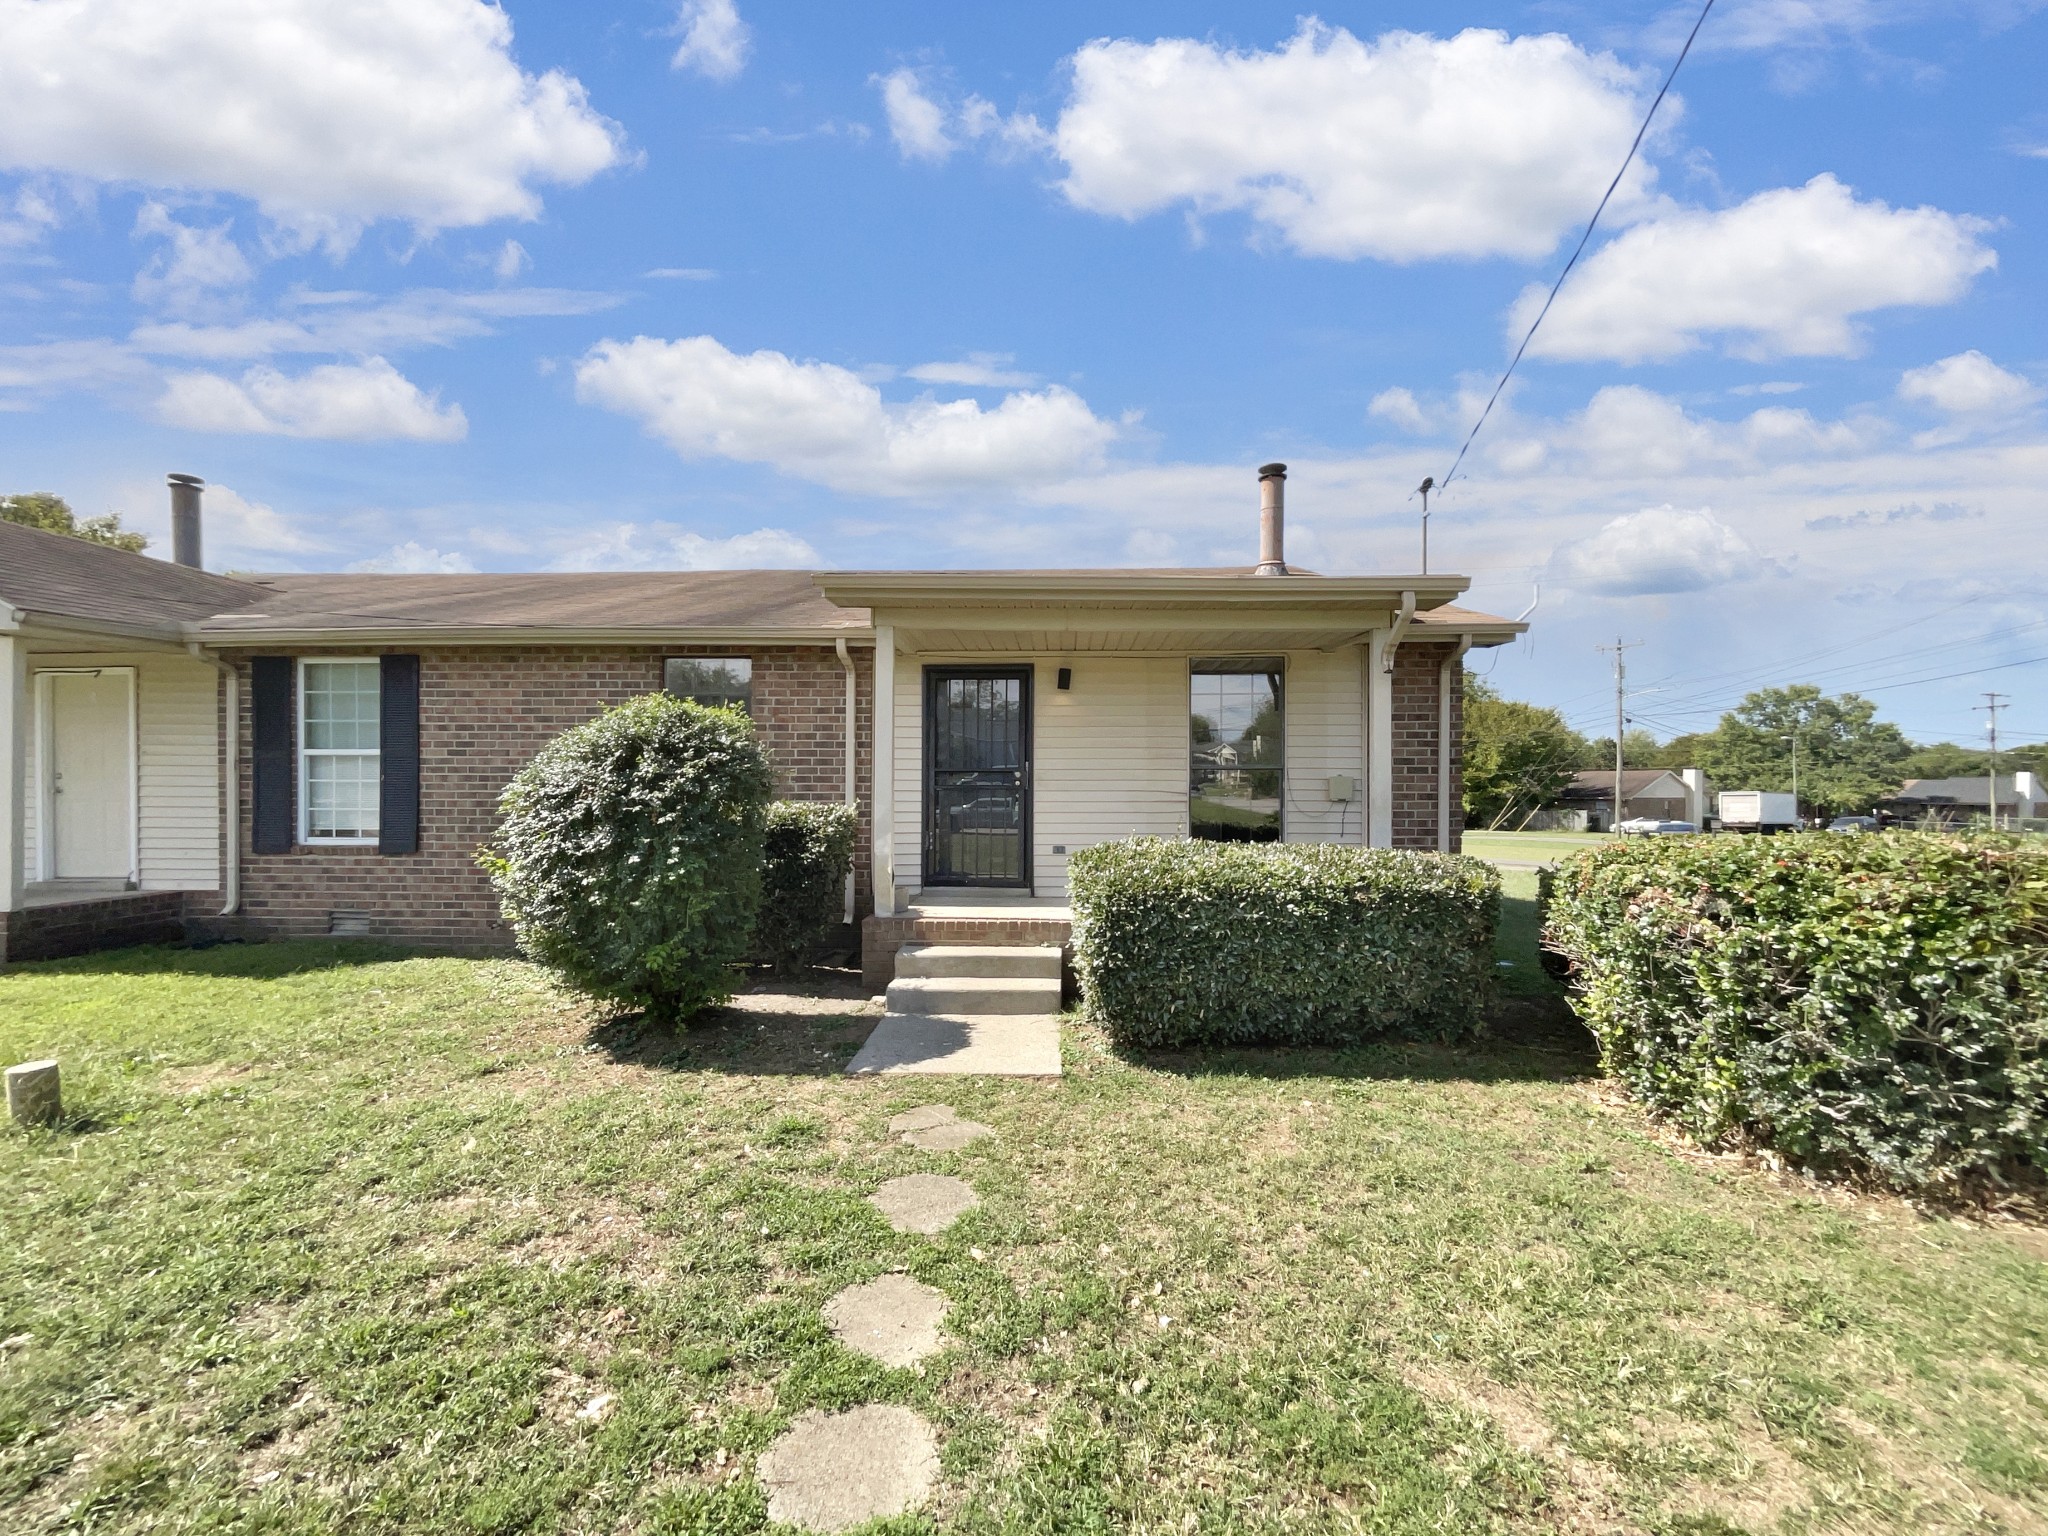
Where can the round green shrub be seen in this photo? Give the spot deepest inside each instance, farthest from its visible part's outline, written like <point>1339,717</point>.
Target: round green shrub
<point>629,854</point>
<point>803,879</point>
<point>1873,1006</point>
<point>1185,942</point>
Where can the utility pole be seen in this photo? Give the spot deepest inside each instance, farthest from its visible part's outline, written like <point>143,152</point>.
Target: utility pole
<point>1794,739</point>
<point>1620,714</point>
<point>1993,703</point>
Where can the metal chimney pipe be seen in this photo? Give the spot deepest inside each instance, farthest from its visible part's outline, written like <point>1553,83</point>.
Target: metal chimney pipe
<point>1272,520</point>
<point>185,491</point>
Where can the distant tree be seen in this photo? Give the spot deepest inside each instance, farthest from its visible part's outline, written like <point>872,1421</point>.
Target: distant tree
<point>1639,749</point>
<point>1944,760</point>
<point>1848,758</point>
<point>1518,757</point>
<point>53,514</point>
<point>1683,751</point>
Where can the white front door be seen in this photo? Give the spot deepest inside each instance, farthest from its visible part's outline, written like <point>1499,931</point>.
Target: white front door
<point>91,755</point>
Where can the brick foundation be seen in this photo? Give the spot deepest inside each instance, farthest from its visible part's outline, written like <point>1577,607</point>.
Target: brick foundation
<point>102,922</point>
<point>484,712</point>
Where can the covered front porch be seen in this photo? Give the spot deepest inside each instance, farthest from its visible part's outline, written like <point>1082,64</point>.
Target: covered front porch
<point>110,807</point>
<point>1021,717</point>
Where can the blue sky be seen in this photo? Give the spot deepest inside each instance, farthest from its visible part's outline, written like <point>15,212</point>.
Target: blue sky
<point>429,285</point>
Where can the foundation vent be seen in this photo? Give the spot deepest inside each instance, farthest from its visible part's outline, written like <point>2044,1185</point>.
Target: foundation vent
<point>348,925</point>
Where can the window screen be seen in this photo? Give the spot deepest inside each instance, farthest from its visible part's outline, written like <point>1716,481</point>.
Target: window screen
<point>720,681</point>
<point>1236,739</point>
<point>338,749</point>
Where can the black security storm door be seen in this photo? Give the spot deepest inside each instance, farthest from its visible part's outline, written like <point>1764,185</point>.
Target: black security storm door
<point>977,789</point>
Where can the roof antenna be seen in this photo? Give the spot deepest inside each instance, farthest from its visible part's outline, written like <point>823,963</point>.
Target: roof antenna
<point>1423,490</point>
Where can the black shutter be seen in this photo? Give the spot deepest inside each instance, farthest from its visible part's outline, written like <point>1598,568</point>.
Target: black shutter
<point>270,740</point>
<point>398,745</point>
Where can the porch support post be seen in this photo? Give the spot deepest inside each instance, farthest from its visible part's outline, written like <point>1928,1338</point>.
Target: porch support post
<point>1379,739</point>
<point>882,816</point>
<point>14,750</point>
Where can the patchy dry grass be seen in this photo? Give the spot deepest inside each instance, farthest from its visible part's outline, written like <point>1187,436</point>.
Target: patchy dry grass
<point>348,1239</point>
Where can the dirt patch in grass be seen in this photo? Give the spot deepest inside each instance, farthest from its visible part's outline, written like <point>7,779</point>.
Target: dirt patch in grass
<point>192,1081</point>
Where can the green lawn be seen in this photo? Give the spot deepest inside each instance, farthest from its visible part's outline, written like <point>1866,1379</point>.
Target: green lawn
<point>1534,847</point>
<point>349,1240</point>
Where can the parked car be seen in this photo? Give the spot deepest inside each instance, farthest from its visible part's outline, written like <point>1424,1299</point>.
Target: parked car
<point>1854,824</point>
<point>1650,826</point>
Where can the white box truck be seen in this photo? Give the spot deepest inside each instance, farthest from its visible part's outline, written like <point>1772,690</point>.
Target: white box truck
<point>1757,810</point>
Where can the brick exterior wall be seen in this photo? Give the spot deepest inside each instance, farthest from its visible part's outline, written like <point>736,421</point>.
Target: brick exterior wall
<point>105,922</point>
<point>1418,674</point>
<point>484,711</point>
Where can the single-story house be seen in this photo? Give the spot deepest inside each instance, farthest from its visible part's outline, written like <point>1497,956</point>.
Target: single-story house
<point>1665,794</point>
<point>323,754</point>
<point>2021,797</point>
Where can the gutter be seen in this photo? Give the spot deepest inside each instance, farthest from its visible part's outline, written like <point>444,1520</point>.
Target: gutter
<point>852,730</point>
<point>427,634</point>
<point>231,815</point>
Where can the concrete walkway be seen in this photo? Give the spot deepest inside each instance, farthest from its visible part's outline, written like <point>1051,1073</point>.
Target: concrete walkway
<point>999,1045</point>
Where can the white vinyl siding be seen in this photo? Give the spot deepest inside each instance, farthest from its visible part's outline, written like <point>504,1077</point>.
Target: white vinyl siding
<point>1325,711</point>
<point>178,790</point>
<point>1110,755</point>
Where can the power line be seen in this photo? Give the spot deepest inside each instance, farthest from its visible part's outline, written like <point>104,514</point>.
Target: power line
<point>1580,249</point>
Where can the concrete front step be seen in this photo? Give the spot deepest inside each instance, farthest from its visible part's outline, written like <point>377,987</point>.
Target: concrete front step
<point>974,995</point>
<point>986,960</point>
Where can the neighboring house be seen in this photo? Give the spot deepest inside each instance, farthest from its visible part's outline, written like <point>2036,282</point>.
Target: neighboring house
<point>2021,796</point>
<point>1665,794</point>
<point>376,718</point>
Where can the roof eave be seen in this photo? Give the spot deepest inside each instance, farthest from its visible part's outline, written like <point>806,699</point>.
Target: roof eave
<point>218,635</point>
<point>959,589</point>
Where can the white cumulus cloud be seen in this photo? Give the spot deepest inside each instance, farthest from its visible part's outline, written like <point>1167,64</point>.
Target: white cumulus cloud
<point>1657,550</point>
<point>1399,406</point>
<point>1404,148</point>
<point>715,40</point>
<point>360,401</point>
<point>665,547</point>
<point>413,558</point>
<point>1786,273</point>
<point>927,127</point>
<point>824,423</point>
<point>327,115</point>
<point>1968,384</point>
<point>192,263</point>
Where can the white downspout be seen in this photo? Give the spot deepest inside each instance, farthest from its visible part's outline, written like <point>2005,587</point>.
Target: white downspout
<point>14,748</point>
<point>1379,740</point>
<point>852,733</point>
<point>231,871</point>
<point>1443,741</point>
<point>882,811</point>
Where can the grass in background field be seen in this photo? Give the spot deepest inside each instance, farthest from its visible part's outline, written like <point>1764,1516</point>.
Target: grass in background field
<point>348,1240</point>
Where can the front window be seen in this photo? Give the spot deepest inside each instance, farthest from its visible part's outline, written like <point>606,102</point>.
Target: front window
<point>338,763</point>
<point>1235,745</point>
<point>719,681</point>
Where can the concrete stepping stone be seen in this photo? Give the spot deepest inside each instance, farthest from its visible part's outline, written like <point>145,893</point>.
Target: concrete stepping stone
<point>893,1319</point>
<point>937,1128</point>
<point>832,1471</point>
<point>924,1202</point>
<point>922,1118</point>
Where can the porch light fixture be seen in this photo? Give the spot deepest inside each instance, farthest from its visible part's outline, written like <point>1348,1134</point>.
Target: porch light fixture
<point>1066,679</point>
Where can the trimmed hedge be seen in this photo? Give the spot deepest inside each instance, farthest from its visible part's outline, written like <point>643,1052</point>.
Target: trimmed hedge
<point>803,879</point>
<point>1874,1005</point>
<point>1183,942</point>
<point>629,855</point>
